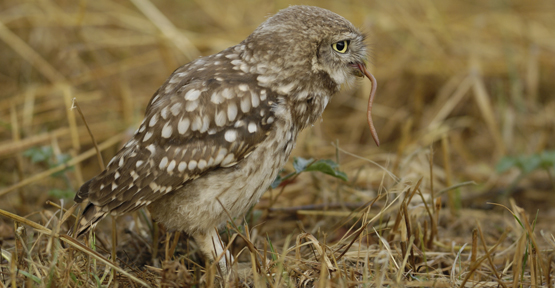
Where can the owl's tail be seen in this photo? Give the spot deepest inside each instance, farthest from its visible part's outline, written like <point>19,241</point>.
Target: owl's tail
<point>90,217</point>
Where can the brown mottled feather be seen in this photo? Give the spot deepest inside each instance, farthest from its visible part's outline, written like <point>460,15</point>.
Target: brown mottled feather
<point>139,173</point>
<point>216,134</point>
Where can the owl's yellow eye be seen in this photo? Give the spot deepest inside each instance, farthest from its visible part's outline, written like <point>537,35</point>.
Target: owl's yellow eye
<point>340,46</point>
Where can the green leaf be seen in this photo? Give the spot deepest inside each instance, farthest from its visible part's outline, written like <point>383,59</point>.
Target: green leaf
<point>61,194</point>
<point>328,167</point>
<point>72,276</point>
<point>505,164</point>
<point>39,154</point>
<point>30,276</point>
<point>531,163</point>
<point>527,164</point>
<point>276,182</point>
<point>62,159</point>
<point>548,159</point>
<point>518,220</point>
<point>300,164</point>
<point>273,254</point>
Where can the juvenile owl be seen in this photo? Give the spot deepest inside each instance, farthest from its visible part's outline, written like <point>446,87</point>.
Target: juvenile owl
<point>217,132</point>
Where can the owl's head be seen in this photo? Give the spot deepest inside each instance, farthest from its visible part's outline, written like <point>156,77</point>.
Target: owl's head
<point>306,53</point>
<point>310,40</point>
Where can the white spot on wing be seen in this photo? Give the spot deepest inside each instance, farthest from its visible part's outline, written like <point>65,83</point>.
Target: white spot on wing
<point>192,165</point>
<point>182,166</point>
<point>201,164</point>
<point>228,94</point>
<point>239,123</point>
<point>116,175</point>
<point>243,87</point>
<point>177,77</point>
<point>220,118</point>
<point>197,123</point>
<point>262,95</point>
<point>167,130</point>
<point>153,120</point>
<point>216,98</point>
<point>192,95</point>
<point>176,108</point>
<point>171,166</point>
<point>231,111</point>
<point>139,163</point>
<point>147,136</point>
<point>205,124</point>
<point>151,148</point>
<point>254,99</point>
<point>230,135</point>
<point>134,175</point>
<point>244,67</point>
<point>164,113</point>
<point>264,79</point>
<point>252,127</point>
<point>221,154</point>
<point>228,160</point>
<point>245,104</point>
<point>163,163</point>
<point>183,125</point>
<point>191,105</point>
<point>155,98</point>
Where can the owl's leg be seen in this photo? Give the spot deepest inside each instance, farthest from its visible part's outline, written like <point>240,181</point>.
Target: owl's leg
<point>210,244</point>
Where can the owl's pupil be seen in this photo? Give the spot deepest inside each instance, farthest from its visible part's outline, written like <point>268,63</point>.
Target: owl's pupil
<point>340,45</point>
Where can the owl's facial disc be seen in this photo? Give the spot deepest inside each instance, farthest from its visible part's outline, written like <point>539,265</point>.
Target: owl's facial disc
<point>361,69</point>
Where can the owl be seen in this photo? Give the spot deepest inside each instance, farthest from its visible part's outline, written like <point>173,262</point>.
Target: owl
<point>218,131</point>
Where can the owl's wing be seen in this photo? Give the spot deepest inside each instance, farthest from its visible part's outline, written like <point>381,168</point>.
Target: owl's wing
<point>190,127</point>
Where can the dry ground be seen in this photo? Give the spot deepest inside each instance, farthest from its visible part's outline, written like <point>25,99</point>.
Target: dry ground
<point>462,84</point>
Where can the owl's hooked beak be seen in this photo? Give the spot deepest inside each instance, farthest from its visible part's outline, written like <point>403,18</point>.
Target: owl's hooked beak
<point>361,72</point>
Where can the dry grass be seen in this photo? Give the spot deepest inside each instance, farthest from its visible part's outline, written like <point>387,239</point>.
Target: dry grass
<point>461,84</point>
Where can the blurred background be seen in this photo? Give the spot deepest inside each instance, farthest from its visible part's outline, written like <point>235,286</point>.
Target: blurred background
<point>468,85</point>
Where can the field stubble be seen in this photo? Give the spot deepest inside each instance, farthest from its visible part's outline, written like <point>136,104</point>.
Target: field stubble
<point>461,85</point>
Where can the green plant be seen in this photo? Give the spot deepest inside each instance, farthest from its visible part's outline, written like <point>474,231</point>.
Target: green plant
<point>325,166</point>
<point>45,155</point>
<point>527,164</point>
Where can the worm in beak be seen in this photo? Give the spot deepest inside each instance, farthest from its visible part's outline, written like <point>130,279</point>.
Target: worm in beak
<point>362,69</point>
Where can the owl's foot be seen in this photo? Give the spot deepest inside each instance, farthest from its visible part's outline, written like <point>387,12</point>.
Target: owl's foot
<point>213,248</point>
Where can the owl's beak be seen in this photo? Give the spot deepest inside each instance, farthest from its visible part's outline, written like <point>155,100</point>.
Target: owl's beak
<point>357,71</point>
<point>361,69</point>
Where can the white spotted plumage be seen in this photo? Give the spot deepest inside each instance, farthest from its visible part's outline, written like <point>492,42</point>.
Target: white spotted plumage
<point>221,127</point>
